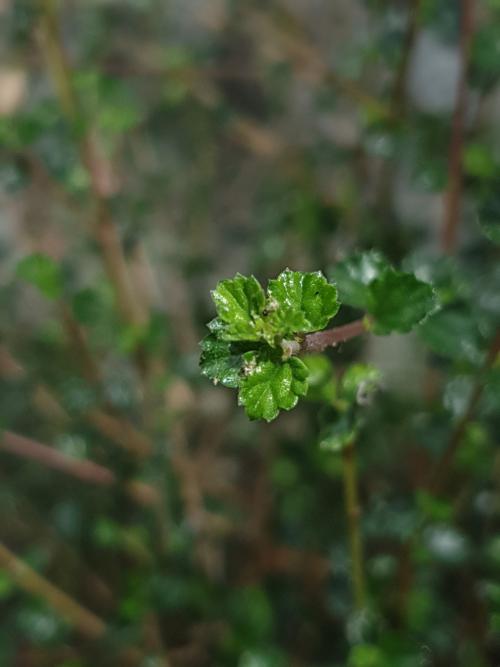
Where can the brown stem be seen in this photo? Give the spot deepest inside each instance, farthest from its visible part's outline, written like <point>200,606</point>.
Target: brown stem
<point>317,342</point>
<point>90,625</point>
<point>77,339</point>
<point>455,175</point>
<point>84,470</point>
<point>442,467</point>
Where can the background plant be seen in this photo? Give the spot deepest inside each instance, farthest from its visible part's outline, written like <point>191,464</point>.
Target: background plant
<point>152,150</point>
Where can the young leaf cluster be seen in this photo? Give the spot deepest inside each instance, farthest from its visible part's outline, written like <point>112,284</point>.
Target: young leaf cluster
<point>255,333</point>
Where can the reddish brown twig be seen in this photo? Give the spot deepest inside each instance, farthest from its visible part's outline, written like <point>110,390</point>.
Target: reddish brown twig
<point>82,469</point>
<point>319,341</point>
<point>85,470</point>
<point>455,174</point>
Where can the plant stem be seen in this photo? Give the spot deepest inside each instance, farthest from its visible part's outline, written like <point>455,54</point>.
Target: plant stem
<point>88,624</point>
<point>82,469</point>
<point>455,173</point>
<point>398,93</point>
<point>317,342</point>
<point>353,514</point>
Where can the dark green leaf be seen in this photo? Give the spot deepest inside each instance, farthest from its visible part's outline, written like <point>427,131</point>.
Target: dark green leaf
<point>452,334</point>
<point>269,387</point>
<point>219,363</point>
<point>489,217</point>
<point>87,306</point>
<point>399,301</point>
<point>353,276</point>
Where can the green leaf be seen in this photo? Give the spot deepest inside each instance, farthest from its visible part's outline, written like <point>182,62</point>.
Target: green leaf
<point>269,387</point>
<point>239,302</point>
<point>354,275</point>
<point>42,272</point>
<point>453,334</point>
<point>321,379</point>
<point>87,305</point>
<point>489,217</point>
<point>359,382</point>
<point>399,301</point>
<point>301,302</point>
<point>6,586</point>
<point>219,362</point>
<point>432,507</point>
<point>367,655</point>
<point>479,160</point>
<point>340,432</point>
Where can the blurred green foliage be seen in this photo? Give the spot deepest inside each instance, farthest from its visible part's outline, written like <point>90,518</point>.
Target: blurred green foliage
<point>194,141</point>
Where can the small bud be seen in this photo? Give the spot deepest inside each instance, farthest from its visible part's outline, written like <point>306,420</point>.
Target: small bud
<point>290,348</point>
<point>249,366</point>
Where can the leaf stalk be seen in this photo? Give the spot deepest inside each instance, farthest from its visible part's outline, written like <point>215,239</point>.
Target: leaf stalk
<point>320,340</point>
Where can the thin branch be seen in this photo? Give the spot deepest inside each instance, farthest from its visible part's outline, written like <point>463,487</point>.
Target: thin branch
<point>353,515</point>
<point>121,431</point>
<point>90,625</point>
<point>77,338</point>
<point>455,173</point>
<point>319,341</point>
<point>398,93</point>
<point>82,469</point>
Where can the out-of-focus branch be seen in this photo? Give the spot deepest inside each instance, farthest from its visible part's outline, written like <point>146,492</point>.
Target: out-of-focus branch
<point>398,93</point>
<point>105,231</point>
<point>455,174</point>
<point>117,429</point>
<point>82,469</point>
<point>90,625</point>
<point>310,62</point>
